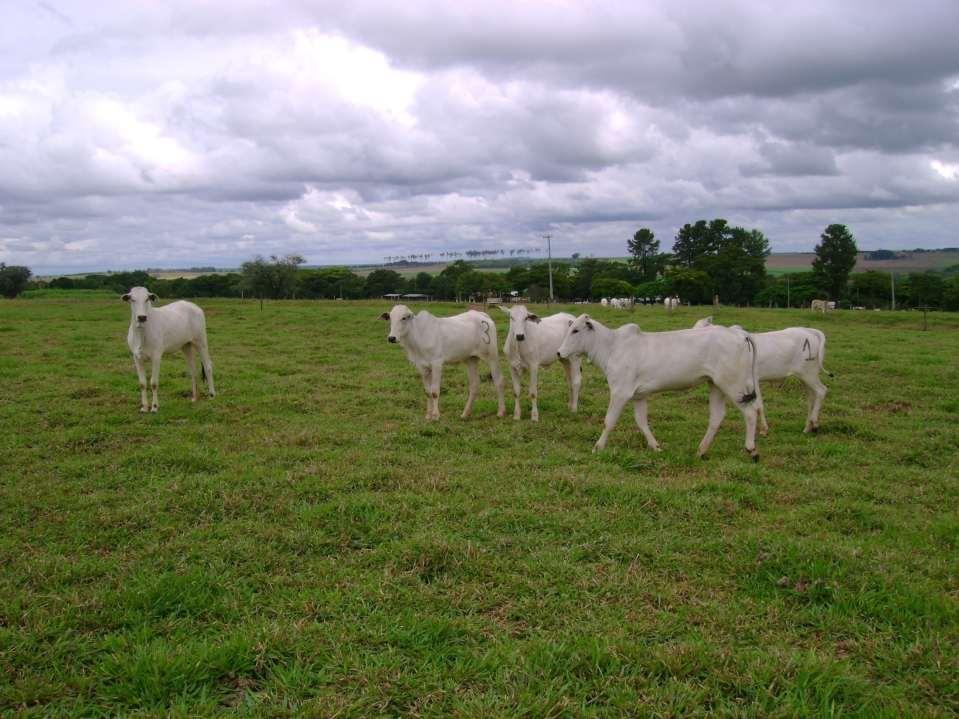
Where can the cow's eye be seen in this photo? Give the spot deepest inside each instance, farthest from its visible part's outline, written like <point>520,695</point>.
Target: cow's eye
<point>574,332</point>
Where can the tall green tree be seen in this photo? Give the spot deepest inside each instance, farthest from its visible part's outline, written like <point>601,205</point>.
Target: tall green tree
<point>273,279</point>
<point>835,259</point>
<point>13,279</point>
<point>644,248</point>
<point>694,242</point>
<point>380,282</point>
<point>733,260</point>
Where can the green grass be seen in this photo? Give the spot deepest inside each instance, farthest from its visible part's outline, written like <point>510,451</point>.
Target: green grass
<point>48,293</point>
<point>306,544</point>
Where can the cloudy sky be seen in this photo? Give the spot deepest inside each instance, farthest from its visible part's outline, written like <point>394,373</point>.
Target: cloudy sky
<point>198,132</point>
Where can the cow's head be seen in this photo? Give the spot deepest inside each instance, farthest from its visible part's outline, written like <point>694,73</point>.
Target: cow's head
<point>704,322</point>
<point>579,338</point>
<point>518,317</point>
<point>400,318</point>
<point>140,300</point>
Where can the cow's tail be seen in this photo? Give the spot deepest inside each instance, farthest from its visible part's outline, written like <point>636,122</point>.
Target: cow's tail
<point>822,353</point>
<point>203,371</point>
<point>753,394</point>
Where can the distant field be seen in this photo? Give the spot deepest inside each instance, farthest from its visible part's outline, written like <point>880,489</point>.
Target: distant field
<point>782,263</point>
<point>305,544</point>
<point>186,274</point>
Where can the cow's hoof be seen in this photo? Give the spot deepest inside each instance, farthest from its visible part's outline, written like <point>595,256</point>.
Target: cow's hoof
<point>144,410</point>
<point>154,410</point>
<point>534,418</point>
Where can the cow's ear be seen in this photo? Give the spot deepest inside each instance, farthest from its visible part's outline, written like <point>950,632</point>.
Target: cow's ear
<point>153,297</point>
<point>589,325</point>
<point>385,316</point>
<point>569,323</point>
<point>534,318</point>
<point>126,297</point>
<point>504,308</point>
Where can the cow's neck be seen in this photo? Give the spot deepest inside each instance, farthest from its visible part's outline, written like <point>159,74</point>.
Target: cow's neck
<point>139,333</point>
<point>413,339</point>
<point>602,345</point>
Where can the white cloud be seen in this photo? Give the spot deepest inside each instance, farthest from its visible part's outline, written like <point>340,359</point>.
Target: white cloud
<point>948,171</point>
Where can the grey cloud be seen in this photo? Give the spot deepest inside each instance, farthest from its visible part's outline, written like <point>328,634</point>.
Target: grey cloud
<point>185,134</point>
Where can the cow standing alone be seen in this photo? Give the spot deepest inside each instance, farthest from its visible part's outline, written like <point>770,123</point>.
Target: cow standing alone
<point>155,331</point>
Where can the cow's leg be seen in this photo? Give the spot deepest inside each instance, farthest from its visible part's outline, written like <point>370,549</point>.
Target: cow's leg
<point>616,404</point>
<point>516,374</point>
<point>142,377</point>
<point>425,377</point>
<point>717,410</point>
<point>499,383</point>
<point>761,415</point>
<point>534,391</point>
<point>574,379</point>
<point>191,366</point>
<point>472,371</point>
<point>642,421</point>
<point>155,380</point>
<point>816,392</point>
<point>436,377</point>
<point>207,364</point>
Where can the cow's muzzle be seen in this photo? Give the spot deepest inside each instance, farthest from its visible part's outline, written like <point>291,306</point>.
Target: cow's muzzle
<point>520,338</point>
<point>391,338</point>
<point>141,318</point>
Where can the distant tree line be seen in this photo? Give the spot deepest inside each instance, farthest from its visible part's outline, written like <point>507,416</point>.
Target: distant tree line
<point>708,258</point>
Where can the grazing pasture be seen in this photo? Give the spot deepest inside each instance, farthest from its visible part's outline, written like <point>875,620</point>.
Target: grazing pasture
<point>306,543</point>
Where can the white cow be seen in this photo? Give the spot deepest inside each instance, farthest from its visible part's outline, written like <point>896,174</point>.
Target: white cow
<point>430,342</point>
<point>793,352</point>
<point>604,302</point>
<point>155,331</point>
<point>822,306</point>
<point>671,302</point>
<point>531,343</point>
<point>638,364</point>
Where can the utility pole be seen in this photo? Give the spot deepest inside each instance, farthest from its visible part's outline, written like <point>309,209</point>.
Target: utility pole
<point>787,290</point>
<point>892,280</point>
<point>549,262</point>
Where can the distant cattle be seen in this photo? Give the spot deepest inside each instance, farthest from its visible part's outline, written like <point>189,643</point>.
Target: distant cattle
<point>430,342</point>
<point>793,352</point>
<point>671,302</point>
<point>822,306</point>
<point>155,331</point>
<point>531,343</point>
<point>638,364</point>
